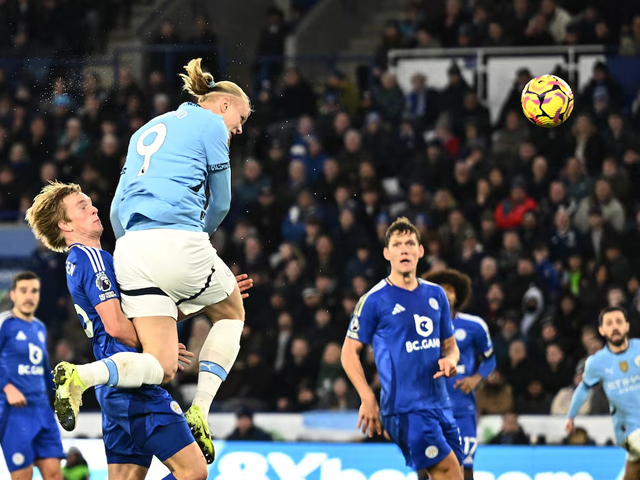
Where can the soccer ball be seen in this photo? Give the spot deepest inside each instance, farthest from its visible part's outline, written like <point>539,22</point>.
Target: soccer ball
<point>547,101</point>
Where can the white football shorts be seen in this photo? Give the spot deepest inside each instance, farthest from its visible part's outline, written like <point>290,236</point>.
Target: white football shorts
<point>161,270</point>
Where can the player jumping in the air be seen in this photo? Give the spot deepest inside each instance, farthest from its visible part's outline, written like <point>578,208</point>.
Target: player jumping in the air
<point>138,422</point>
<point>617,367</point>
<point>407,321</point>
<point>29,432</point>
<point>174,190</point>
<point>476,359</point>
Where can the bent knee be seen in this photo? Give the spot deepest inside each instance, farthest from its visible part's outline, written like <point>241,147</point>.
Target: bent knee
<point>195,472</point>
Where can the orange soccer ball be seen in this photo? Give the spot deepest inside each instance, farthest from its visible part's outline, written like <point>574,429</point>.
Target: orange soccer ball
<point>547,101</point>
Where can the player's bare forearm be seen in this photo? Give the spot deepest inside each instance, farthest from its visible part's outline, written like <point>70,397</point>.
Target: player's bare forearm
<point>450,350</point>
<point>116,324</point>
<point>353,367</point>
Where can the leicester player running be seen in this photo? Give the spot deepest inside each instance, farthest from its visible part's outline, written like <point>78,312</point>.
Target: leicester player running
<point>407,321</point>
<point>476,359</point>
<point>137,423</point>
<point>617,367</point>
<point>29,432</point>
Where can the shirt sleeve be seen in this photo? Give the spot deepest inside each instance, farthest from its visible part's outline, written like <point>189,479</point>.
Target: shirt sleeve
<point>4,368</point>
<point>364,320</point>
<point>215,140</point>
<point>114,216</point>
<point>591,376</point>
<point>446,326</point>
<point>97,277</point>
<point>484,346</point>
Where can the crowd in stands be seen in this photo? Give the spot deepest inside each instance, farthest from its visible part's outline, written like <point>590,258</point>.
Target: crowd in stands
<point>35,28</point>
<point>545,222</point>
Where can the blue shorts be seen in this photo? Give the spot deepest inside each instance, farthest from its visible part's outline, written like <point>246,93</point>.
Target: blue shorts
<point>28,434</point>
<point>425,437</point>
<point>468,428</point>
<point>140,424</point>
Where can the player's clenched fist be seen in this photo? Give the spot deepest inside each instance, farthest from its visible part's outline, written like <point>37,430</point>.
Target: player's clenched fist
<point>369,417</point>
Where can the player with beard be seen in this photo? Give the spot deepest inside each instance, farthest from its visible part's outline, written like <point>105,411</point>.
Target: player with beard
<point>617,367</point>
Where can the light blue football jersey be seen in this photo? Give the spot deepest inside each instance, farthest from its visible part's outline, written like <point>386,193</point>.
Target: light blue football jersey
<point>406,329</point>
<point>620,377</point>
<point>172,163</point>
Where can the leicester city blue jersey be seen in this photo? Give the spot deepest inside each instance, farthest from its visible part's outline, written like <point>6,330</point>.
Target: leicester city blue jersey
<point>24,361</point>
<point>406,329</point>
<point>91,280</point>
<point>474,341</point>
<point>169,162</point>
<point>620,377</point>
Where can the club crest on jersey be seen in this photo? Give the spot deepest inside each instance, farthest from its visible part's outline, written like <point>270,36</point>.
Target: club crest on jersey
<point>102,281</point>
<point>175,407</point>
<point>460,334</point>
<point>431,451</point>
<point>433,303</point>
<point>624,366</point>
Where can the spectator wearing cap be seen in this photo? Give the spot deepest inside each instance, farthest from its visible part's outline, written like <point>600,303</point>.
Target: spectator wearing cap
<point>246,430</point>
<point>452,97</point>
<point>602,78</point>
<point>76,467</point>
<point>510,211</point>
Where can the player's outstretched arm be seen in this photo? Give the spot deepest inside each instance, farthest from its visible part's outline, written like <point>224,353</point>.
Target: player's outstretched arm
<point>369,411</point>
<point>580,396</point>
<point>116,324</point>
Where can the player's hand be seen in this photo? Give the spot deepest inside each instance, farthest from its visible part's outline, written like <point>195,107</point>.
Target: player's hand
<point>184,356</point>
<point>14,396</point>
<point>369,417</point>
<point>244,283</point>
<point>468,384</point>
<point>569,426</point>
<point>447,368</point>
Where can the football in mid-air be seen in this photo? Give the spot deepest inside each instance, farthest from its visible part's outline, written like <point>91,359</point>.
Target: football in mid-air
<point>547,101</point>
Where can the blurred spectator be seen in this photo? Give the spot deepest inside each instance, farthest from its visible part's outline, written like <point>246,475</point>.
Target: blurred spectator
<point>494,395</point>
<point>510,211</point>
<point>511,433</point>
<point>246,430</point>
<point>534,401</point>
<point>578,437</point>
<point>76,467</point>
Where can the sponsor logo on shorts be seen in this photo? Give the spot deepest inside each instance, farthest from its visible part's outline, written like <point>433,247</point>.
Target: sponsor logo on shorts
<point>431,451</point>
<point>175,407</point>
<point>434,303</point>
<point>103,282</point>
<point>17,459</point>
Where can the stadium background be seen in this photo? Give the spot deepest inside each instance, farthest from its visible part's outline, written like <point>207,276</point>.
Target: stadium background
<point>545,222</point>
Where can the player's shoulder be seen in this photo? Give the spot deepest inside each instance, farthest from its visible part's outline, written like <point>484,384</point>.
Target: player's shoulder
<point>40,324</point>
<point>92,258</point>
<point>472,320</point>
<point>430,288</point>
<point>5,317</point>
<point>593,361</point>
<point>634,344</point>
